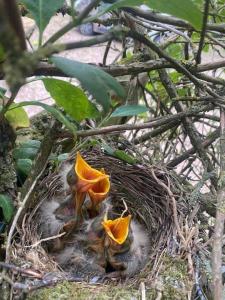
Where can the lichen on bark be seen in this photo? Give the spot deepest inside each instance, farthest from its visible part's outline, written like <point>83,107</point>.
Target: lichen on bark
<point>7,169</point>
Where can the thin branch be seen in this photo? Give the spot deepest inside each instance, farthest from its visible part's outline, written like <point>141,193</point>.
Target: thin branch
<point>203,32</point>
<point>220,219</point>
<point>193,111</point>
<point>108,36</point>
<point>106,52</point>
<point>207,142</point>
<point>73,23</point>
<point>163,18</point>
<point>44,69</point>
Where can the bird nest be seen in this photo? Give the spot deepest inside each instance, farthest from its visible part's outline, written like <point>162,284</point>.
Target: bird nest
<point>151,194</point>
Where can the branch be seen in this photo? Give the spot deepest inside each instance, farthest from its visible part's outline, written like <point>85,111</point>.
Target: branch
<point>162,18</point>
<point>203,32</point>
<point>44,69</point>
<point>188,125</point>
<point>193,111</point>
<point>155,132</point>
<point>73,23</point>
<point>206,143</point>
<point>108,36</point>
<point>220,218</point>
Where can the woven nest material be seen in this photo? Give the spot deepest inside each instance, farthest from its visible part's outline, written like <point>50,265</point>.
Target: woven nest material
<point>152,195</point>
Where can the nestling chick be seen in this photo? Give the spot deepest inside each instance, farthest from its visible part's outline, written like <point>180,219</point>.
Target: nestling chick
<point>126,246</point>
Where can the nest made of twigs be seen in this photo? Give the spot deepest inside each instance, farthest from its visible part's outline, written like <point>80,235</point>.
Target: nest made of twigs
<point>152,195</point>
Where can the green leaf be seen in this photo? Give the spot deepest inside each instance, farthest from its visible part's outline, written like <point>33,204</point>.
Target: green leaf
<point>25,153</point>
<point>54,111</point>
<point>42,10</point>
<point>129,110</point>
<point>2,92</point>
<point>7,207</point>
<point>183,9</point>
<point>23,167</point>
<point>124,157</point>
<point>31,144</point>
<point>63,157</point>
<point>17,117</point>
<point>119,154</point>
<point>71,99</point>
<point>95,81</point>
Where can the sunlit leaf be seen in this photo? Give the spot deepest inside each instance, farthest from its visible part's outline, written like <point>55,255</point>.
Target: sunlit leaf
<point>6,205</point>
<point>17,117</point>
<point>95,81</point>
<point>71,98</point>
<point>54,111</point>
<point>129,110</point>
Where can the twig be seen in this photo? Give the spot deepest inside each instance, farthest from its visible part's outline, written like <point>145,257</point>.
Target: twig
<point>207,142</point>
<point>108,36</point>
<point>152,124</point>
<point>174,205</point>
<point>73,23</point>
<point>220,218</point>
<point>163,18</point>
<point>45,240</point>
<point>106,52</point>
<point>14,268</point>
<point>142,290</point>
<point>203,31</point>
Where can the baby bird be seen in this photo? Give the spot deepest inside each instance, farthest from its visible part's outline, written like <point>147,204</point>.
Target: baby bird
<point>83,255</point>
<point>126,246</point>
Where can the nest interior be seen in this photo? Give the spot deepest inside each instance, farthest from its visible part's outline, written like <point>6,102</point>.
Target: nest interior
<point>146,191</point>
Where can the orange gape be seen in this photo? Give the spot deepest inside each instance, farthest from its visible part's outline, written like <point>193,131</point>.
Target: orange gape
<point>91,181</point>
<point>117,229</point>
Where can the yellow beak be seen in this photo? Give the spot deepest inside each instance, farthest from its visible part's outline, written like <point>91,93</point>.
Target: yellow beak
<point>117,229</point>
<point>99,191</point>
<point>89,179</point>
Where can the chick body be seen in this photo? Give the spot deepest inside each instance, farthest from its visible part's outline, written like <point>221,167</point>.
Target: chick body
<point>130,257</point>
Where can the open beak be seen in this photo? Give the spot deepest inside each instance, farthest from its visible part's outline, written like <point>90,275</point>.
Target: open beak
<point>88,178</point>
<point>99,191</point>
<point>117,229</point>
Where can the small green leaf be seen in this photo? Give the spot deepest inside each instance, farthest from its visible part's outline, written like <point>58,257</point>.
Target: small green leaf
<point>31,144</point>
<point>124,157</point>
<point>54,111</point>
<point>119,154</point>
<point>71,99</point>
<point>17,117</point>
<point>7,207</point>
<point>2,92</point>
<point>108,149</point>
<point>129,110</point>
<point>23,167</point>
<point>42,10</point>
<point>95,81</point>
<point>25,153</point>
<point>183,9</point>
<point>62,157</point>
